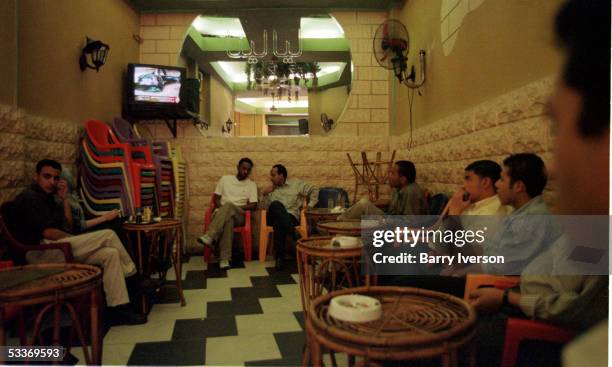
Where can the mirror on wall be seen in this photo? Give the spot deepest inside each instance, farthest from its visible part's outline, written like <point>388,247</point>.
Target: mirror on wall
<point>269,73</point>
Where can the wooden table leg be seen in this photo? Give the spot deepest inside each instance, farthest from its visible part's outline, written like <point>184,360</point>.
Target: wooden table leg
<point>139,241</point>
<point>96,340</point>
<point>178,266</point>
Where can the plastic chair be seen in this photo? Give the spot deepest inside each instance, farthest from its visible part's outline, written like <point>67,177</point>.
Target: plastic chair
<point>335,193</point>
<point>265,230</point>
<point>518,330</point>
<point>245,231</point>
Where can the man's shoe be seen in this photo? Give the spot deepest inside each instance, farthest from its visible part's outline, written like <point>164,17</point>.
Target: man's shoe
<point>205,240</point>
<point>123,315</point>
<point>224,264</point>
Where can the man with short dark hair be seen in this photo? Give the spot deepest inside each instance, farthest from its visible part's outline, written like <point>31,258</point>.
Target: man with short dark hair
<point>39,219</point>
<point>233,195</point>
<point>481,207</point>
<point>529,229</point>
<point>283,201</point>
<point>580,113</point>
<point>407,197</point>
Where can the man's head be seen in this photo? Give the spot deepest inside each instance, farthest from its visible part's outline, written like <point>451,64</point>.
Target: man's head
<point>47,175</point>
<point>480,178</point>
<point>580,108</point>
<point>401,174</point>
<point>278,175</point>
<point>244,167</point>
<point>523,178</point>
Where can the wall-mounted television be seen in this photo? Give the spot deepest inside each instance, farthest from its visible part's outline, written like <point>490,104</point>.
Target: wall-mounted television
<point>153,89</point>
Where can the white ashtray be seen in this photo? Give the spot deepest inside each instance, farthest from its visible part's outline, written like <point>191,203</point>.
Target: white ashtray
<point>355,308</point>
<point>369,223</point>
<point>157,219</point>
<point>337,209</point>
<point>345,241</point>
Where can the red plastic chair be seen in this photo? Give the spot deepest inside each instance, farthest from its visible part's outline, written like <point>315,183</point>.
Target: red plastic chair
<point>518,330</point>
<point>105,140</point>
<point>245,231</point>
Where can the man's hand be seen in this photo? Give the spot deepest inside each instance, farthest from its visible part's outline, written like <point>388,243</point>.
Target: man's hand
<point>111,215</point>
<point>487,300</point>
<point>267,190</point>
<point>456,204</point>
<point>62,189</point>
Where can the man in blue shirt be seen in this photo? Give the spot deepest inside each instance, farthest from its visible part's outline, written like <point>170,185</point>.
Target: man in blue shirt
<point>530,229</point>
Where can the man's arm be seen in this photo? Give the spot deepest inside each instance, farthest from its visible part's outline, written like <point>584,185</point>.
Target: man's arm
<point>311,192</point>
<point>250,206</point>
<point>62,192</point>
<point>217,200</point>
<point>101,219</point>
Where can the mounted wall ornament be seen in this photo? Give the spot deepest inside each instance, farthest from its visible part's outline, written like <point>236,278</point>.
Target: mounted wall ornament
<point>93,55</point>
<point>227,127</point>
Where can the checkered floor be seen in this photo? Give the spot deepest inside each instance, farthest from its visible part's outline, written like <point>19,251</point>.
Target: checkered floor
<point>246,316</point>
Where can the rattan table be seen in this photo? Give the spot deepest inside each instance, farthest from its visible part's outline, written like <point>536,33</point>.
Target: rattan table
<point>173,228</point>
<point>63,284</point>
<point>323,267</point>
<point>344,227</point>
<point>322,214</point>
<point>415,324</point>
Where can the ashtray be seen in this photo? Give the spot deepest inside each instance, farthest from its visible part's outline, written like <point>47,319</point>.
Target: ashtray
<point>157,219</point>
<point>355,308</point>
<point>345,241</point>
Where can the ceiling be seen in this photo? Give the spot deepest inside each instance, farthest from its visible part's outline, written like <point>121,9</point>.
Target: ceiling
<point>227,6</point>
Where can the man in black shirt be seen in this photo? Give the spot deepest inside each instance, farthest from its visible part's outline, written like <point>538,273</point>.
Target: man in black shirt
<point>37,218</point>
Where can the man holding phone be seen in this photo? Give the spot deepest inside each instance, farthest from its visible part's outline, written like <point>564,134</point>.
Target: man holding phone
<point>37,218</point>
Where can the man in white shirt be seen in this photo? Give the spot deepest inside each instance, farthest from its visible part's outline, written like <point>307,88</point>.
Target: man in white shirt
<point>233,195</point>
<point>481,207</point>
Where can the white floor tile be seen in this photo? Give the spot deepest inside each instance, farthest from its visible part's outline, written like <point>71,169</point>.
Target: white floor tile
<point>235,350</point>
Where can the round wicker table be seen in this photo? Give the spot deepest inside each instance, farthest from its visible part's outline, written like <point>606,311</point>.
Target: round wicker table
<point>321,214</point>
<point>173,228</point>
<point>56,286</point>
<point>415,324</point>
<point>343,227</point>
<point>323,267</point>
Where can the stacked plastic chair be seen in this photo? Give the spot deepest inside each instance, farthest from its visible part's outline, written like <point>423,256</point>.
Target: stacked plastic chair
<point>111,178</point>
<point>164,178</point>
<point>160,184</point>
<point>180,180</point>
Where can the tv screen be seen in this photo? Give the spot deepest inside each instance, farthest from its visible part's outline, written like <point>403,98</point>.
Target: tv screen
<point>156,84</point>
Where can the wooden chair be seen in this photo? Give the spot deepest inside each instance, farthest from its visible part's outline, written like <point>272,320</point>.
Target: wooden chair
<point>371,174</point>
<point>18,249</point>
<point>245,231</point>
<point>265,230</point>
<point>518,330</point>
<point>12,313</point>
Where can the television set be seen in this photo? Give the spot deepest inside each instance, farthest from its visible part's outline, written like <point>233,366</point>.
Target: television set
<point>153,90</point>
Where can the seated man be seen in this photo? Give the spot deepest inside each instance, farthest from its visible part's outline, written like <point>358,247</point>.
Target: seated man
<point>580,112</point>
<point>38,218</point>
<point>482,204</point>
<point>233,195</point>
<point>283,201</point>
<point>526,232</point>
<point>407,197</point>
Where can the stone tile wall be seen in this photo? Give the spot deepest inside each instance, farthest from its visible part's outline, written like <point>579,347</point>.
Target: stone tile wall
<point>24,140</point>
<point>511,123</point>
